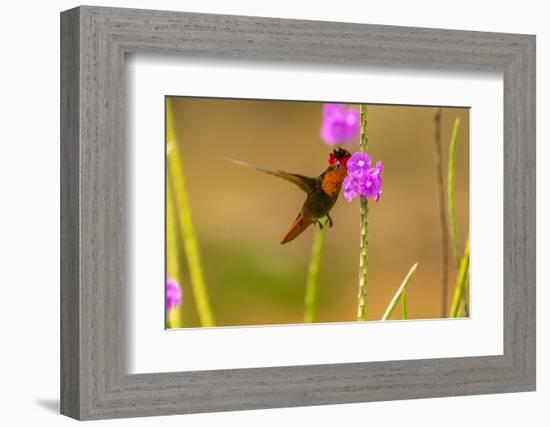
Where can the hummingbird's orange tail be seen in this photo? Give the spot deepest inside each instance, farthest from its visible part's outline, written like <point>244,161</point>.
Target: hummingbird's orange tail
<point>298,227</point>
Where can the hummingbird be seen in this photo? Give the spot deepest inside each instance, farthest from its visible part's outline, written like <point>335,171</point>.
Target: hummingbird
<point>322,191</point>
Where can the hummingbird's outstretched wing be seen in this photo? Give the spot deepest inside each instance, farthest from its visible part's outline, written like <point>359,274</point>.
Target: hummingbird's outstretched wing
<point>306,183</point>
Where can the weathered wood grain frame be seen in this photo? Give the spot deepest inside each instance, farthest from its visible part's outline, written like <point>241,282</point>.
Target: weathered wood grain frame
<point>94,41</point>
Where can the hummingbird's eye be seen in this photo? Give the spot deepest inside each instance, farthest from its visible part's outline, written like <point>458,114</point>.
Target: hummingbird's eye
<point>338,165</point>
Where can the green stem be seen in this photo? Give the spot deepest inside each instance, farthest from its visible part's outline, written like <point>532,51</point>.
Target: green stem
<point>461,280</point>
<point>172,233</point>
<point>464,310</point>
<point>173,247</point>
<point>404,304</point>
<point>444,241</point>
<point>312,285</point>
<point>399,293</point>
<point>364,248</point>
<point>190,242</point>
<point>451,191</point>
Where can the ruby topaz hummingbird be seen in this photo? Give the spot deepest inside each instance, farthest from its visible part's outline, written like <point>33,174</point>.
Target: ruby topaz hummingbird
<point>322,191</point>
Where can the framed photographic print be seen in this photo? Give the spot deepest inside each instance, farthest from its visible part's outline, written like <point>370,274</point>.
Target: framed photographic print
<point>262,213</point>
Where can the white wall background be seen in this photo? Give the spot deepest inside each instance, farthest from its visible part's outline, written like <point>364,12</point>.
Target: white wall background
<point>29,213</point>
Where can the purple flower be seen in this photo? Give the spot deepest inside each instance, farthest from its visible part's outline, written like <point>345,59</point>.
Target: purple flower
<point>173,294</point>
<point>340,124</point>
<point>362,179</point>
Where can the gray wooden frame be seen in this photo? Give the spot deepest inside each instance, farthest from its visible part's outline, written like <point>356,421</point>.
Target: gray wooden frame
<point>94,41</point>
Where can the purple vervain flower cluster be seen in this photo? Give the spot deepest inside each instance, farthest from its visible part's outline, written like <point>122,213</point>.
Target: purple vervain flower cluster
<point>340,124</point>
<point>362,179</point>
<point>173,294</point>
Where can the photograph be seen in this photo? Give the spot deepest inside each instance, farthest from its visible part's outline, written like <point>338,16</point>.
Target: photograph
<point>284,212</point>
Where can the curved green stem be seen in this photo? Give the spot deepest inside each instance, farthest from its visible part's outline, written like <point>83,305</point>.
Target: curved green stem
<point>190,243</point>
<point>451,191</point>
<point>404,305</point>
<point>313,275</point>
<point>398,295</point>
<point>464,310</point>
<point>444,241</point>
<point>461,280</point>
<point>174,247</point>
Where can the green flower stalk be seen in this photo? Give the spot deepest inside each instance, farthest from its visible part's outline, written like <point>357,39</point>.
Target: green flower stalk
<point>459,306</point>
<point>404,305</point>
<point>177,182</point>
<point>313,275</point>
<point>442,214</point>
<point>362,179</point>
<point>400,295</point>
<point>340,125</point>
<point>462,279</point>
<point>464,310</point>
<point>174,252</point>
<point>451,191</point>
<point>364,245</point>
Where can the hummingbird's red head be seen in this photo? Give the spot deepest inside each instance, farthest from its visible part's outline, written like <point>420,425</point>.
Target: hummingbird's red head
<point>338,157</point>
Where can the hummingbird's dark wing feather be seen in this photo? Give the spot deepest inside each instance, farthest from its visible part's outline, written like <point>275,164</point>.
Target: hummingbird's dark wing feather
<point>306,183</point>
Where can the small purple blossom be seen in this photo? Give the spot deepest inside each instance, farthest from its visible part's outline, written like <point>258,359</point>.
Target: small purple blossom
<point>362,179</point>
<point>340,124</point>
<point>173,294</point>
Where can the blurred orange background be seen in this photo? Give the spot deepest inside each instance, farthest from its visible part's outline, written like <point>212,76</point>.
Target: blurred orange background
<point>240,214</point>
